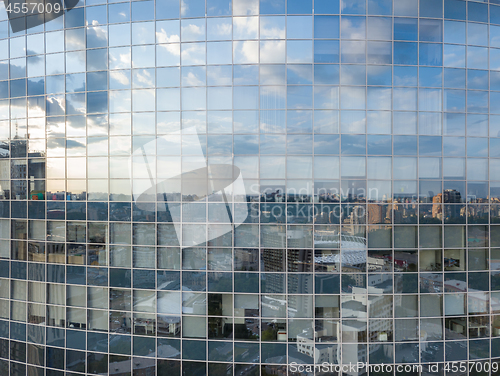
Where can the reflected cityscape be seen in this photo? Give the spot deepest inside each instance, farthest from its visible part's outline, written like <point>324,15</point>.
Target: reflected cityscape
<point>230,187</point>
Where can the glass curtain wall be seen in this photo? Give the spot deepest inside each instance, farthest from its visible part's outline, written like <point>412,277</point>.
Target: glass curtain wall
<point>230,187</point>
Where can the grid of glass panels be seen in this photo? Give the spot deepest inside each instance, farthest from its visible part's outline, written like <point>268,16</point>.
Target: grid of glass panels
<point>366,131</point>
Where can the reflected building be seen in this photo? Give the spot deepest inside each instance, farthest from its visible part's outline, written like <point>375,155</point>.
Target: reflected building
<point>224,187</point>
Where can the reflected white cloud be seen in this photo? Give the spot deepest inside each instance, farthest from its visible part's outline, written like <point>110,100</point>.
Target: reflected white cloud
<point>55,169</point>
<point>194,119</point>
<point>36,107</point>
<point>119,167</point>
<point>144,78</point>
<point>55,106</point>
<point>272,27</point>
<point>75,104</point>
<point>120,145</point>
<point>143,33</point>
<point>120,58</point>
<point>119,101</point>
<point>219,29</point>
<point>353,52</point>
<point>193,77</point>
<point>75,39</point>
<point>143,100</point>
<point>245,27</point>
<point>405,99</point>
<point>220,122</point>
<point>352,98</point>
<point>246,52</point>
<point>272,52</point>
<point>454,56</point>
<point>193,53</point>
<point>55,127</point>
<point>216,75</point>
<point>97,36</point>
<point>353,27</point>
<point>97,125</point>
<point>477,57</point>
<point>162,36</point>
<point>379,122</point>
<point>379,98</point>
<point>352,122</point>
<point>193,30</point>
<point>121,77</point>
<point>245,7</point>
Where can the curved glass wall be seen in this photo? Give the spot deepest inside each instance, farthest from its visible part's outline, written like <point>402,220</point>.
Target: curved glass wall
<point>240,187</point>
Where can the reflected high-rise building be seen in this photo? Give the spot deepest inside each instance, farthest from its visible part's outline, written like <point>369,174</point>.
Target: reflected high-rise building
<point>227,187</point>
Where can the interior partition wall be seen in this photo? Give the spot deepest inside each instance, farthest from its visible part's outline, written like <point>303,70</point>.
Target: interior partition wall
<point>249,187</point>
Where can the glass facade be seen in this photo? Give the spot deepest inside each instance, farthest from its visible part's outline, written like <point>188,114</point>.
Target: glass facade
<point>217,187</point>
